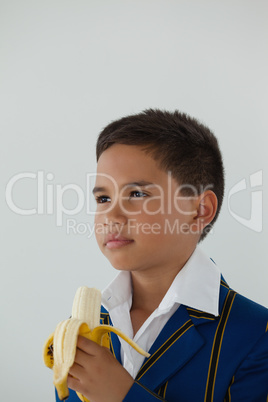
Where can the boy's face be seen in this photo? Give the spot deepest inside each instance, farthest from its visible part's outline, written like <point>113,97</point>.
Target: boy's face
<point>142,223</point>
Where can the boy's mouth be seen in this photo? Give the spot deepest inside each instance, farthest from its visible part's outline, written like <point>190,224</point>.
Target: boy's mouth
<point>115,241</point>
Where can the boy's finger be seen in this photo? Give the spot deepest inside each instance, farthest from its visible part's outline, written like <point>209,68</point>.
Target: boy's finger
<point>80,357</point>
<point>88,346</point>
<point>74,383</point>
<point>76,371</point>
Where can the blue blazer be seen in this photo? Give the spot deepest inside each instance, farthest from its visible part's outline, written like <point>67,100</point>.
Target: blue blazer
<point>199,357</point>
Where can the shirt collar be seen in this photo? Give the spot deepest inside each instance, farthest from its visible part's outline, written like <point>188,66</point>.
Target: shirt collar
<point>197,285</point>
<point>118,292</point>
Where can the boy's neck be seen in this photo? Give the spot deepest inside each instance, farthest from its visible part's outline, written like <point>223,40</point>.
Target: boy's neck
<point>149,291</point>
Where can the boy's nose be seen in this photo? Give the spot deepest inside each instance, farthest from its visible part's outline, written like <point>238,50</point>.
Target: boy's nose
<point>115,215</point>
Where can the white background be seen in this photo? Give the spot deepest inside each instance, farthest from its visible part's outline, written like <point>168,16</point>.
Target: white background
<point>67,69</point>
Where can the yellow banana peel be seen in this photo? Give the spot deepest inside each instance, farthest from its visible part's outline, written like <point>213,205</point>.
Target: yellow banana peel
<point>60,348</point>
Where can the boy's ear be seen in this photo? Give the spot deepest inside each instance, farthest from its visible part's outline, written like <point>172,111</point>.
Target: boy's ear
<point>207,204</point>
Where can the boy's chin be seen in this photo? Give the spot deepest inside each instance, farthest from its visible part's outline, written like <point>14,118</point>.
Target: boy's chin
<point>121,267</point>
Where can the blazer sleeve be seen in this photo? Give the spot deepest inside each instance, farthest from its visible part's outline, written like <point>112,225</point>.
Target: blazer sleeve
<point>73,397</point>
<point>250,382</point>
<point>139,392</point>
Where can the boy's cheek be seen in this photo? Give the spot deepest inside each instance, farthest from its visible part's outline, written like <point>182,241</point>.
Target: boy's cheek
<point>154,206</point>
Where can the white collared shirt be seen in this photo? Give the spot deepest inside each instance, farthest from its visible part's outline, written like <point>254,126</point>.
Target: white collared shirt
<point>197,285</point>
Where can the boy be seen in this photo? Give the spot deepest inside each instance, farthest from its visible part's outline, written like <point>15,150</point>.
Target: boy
<point>159,190</point>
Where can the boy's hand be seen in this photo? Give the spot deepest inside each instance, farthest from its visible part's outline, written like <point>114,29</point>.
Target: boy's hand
<point>97,374</point>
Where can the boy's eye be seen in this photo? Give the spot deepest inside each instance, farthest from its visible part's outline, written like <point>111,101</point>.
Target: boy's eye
<point>101,199</point>
<point>137,194</point>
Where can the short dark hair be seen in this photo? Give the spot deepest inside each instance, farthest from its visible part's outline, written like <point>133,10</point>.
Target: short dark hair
<point>178,142</point>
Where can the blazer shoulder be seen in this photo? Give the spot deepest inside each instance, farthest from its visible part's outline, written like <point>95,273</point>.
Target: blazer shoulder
<point>242,314</point>
<point>254,311</point>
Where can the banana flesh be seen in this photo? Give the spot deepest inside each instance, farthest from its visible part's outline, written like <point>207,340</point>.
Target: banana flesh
<point>60,348</point>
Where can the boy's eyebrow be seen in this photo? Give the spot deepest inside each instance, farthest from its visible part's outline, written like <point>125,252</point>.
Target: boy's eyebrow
<point>98,190</point>
<point>141,183</point>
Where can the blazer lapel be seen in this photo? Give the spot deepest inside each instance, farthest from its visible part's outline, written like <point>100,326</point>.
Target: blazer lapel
<point>177,343</point>
<point>115,345</point>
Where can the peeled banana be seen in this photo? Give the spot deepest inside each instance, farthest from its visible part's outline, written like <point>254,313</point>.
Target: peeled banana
<point>60,348</point>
